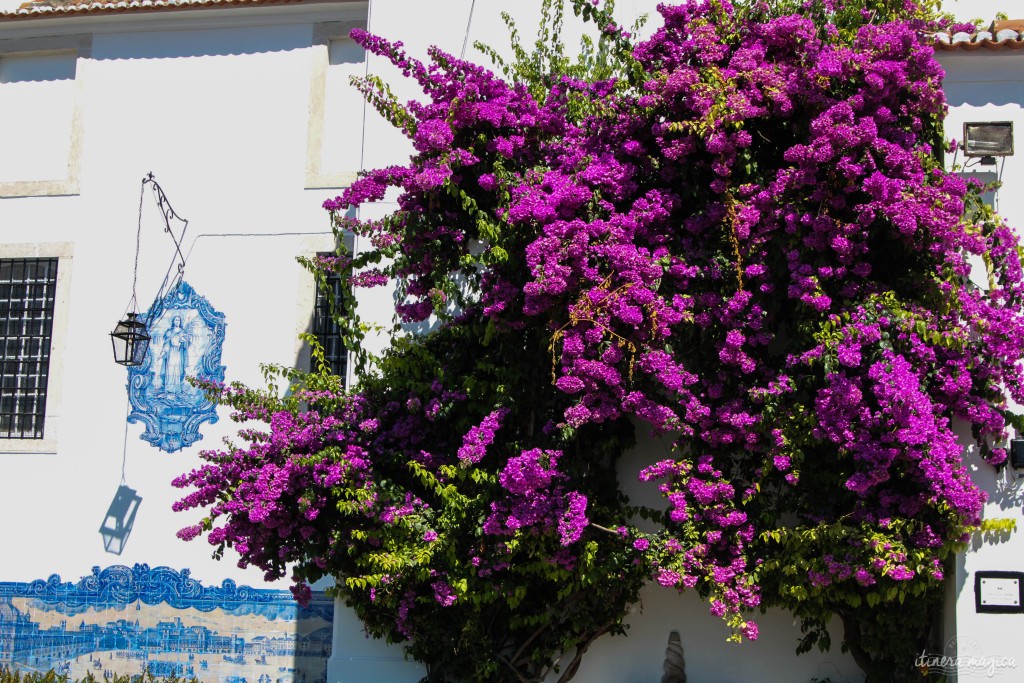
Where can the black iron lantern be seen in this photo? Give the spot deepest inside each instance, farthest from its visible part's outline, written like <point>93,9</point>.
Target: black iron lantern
<point>130,337</point>
<point>131,341</point>
<point>120,519</point>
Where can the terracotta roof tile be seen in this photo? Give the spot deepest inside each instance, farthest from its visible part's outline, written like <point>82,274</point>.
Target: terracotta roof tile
<point>55,8</point>
<point>1001,35</point>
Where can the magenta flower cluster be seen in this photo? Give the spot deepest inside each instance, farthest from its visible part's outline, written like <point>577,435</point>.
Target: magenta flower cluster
<point>536,499</point>
<point>750,249</point>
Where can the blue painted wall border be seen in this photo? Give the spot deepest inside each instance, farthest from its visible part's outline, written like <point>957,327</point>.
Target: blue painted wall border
<point>130,620</point>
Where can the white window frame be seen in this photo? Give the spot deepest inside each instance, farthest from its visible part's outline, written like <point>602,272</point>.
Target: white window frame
<point>79,45</point>
<point>62,251</point>
<point>323,34</point>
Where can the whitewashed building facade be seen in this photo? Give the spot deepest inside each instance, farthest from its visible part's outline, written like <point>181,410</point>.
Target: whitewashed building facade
<point>242,111</point>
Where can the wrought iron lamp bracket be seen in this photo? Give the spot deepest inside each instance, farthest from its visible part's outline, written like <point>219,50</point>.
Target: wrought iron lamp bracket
<point>168,214</point>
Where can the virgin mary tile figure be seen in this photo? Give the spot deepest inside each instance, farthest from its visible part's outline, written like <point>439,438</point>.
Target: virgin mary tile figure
<point>174,364</point>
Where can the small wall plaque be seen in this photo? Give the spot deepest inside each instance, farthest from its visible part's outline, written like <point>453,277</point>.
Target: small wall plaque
<point>999,592</point>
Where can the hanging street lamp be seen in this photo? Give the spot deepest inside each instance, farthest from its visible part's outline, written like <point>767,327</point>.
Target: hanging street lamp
<point>131,341</point>
<point>130,337</point>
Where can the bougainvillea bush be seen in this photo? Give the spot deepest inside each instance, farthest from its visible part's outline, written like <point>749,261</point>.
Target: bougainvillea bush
<point>737,234</point>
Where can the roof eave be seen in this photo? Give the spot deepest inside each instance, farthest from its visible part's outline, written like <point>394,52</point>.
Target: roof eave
<point>149,7</point>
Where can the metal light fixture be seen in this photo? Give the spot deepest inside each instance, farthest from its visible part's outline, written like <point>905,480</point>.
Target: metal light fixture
<point>130,337</point>
<point>1017,453</point>
<point>131,341</point>
<point>120,519</point>
<point>988,140</point>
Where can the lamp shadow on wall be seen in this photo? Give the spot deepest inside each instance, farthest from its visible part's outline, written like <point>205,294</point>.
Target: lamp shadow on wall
<point>120,519</point>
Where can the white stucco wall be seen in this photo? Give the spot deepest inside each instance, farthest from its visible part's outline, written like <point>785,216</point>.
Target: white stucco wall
<point>985,86</point>
<point>219,105</point>
<point>220,114</point>
<point>38,99</point>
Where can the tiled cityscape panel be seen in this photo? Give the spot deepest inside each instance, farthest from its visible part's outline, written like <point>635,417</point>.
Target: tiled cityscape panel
<point>123,620</point>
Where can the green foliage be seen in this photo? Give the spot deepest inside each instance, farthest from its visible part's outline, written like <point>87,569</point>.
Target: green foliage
<point>997,530</point>
<point>14,675</point>
<point>847,16</point>
<point>608,56</point>
<point>883,623</point>
<point>502,604</point>
<point>342,304</point>
<point>501,625</point>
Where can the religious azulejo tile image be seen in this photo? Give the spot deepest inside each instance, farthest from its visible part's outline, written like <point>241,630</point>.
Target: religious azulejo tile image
<point>187,338</point>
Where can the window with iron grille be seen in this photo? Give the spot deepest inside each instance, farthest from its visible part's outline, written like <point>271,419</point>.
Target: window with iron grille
<point>27,294</point>
<point>324,325</point>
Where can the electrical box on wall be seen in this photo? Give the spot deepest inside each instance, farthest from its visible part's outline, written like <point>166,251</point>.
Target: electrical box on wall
<point>999,592</point>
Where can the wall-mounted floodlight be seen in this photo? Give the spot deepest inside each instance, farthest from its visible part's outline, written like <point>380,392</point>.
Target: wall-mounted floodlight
<point>1017,453</point>
<point>988,140</point>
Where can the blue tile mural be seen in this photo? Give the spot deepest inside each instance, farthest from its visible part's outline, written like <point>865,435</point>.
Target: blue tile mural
<point>187,336</point>
<point>123,620</point>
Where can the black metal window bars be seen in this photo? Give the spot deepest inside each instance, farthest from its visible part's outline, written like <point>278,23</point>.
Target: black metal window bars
<point>27,295</point>
<point>326,328</point>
